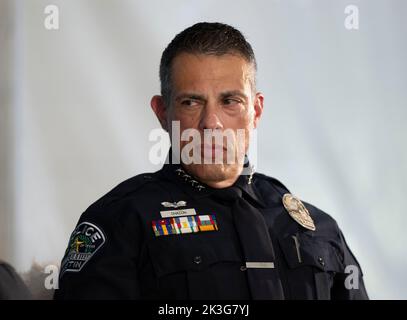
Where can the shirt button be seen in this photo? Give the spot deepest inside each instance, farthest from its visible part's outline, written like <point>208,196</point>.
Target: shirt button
<point>321,261</point>
<point>197,259</point>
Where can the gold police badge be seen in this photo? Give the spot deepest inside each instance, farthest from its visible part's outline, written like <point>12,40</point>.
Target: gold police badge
<point>298,212</point>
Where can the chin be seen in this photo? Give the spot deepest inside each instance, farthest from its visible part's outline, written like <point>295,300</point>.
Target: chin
<point>211,172</point>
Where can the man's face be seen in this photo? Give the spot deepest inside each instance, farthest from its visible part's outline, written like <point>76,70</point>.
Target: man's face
<point>216,93</point>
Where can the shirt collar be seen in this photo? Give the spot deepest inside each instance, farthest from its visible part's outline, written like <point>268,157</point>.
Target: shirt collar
<point>199,190</point>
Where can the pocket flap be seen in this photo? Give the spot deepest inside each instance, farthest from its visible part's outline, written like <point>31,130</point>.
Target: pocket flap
<point>308,251</point>
<point>190,253</point>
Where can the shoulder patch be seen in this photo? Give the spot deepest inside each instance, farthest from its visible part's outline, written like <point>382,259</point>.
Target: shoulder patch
<point>85,240</point>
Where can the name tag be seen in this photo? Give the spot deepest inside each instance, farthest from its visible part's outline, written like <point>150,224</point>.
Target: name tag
<point>178,213</point>
<point>263,265</point>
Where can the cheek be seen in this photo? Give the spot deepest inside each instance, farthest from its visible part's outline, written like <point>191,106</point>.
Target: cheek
<point>242,121</point>
<point>187,119</point>
<point>246,123</point>
<point>182,122</point>
<point>242,128</point>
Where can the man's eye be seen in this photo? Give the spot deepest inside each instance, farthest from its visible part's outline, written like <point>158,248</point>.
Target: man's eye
<point>230,101</point>
<point>189,102</point>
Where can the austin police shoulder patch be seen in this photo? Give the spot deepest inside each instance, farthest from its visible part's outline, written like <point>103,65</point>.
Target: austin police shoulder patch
<point>85,240</point>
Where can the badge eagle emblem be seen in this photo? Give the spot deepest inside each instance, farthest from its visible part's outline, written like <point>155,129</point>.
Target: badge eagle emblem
<point>298,212</point>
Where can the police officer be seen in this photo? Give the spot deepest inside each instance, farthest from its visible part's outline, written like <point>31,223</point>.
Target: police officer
<point>206,226</point>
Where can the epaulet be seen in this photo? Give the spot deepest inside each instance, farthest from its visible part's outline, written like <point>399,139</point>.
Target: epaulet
<point>123,189</point>
<point>279,186</point>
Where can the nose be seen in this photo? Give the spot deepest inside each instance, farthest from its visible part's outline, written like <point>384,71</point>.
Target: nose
<point>210,118</point>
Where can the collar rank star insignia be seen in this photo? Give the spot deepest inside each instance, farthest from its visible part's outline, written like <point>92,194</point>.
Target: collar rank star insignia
<point>174,204</point>
<point>252,171</point>
<point>298,212</point>
<point>189,179</point>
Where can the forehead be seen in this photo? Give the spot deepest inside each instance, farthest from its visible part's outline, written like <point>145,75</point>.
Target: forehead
<point>199,71</point>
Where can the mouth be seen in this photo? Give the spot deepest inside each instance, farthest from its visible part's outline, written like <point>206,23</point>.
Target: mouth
<point>213,147</point>
<point>212,151</point>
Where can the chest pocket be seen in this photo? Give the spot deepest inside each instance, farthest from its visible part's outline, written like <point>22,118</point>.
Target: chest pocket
<point>311,266</point>
<point>196,267</point>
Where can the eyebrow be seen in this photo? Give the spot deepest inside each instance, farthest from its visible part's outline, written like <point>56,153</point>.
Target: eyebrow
<point>190,95</point>
<point>223,95</point>
<point>232,93</point>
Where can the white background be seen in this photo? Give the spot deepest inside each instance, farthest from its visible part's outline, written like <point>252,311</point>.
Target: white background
<point>75,115</point>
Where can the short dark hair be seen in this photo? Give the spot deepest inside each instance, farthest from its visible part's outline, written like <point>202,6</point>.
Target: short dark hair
<point>210,38</point>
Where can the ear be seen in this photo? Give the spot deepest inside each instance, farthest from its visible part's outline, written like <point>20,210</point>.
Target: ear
<point>258,108</point>
<point>160,110</point>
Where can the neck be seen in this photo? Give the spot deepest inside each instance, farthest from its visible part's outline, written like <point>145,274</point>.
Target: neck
<point>221,184</point>
<point>217,177</point>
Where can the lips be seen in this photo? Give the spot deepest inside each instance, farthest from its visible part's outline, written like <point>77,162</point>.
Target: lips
<point>212,147</point>
<point>211,150</point>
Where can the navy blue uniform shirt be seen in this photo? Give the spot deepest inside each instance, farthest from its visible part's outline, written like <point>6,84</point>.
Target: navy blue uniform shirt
<point>165,235</point>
